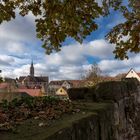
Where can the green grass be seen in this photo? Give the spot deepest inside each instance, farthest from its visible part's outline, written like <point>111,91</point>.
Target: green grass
<point>30,130</point>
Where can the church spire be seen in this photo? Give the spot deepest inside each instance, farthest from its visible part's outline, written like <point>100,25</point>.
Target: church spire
<point>32,69</point>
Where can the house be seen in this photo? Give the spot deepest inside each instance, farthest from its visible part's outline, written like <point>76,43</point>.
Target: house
<point>133,74</point>
<point>31,92</point>
<point>4,87</point>
<point>7,87</point>
<point>62,91</point>
<point>54,86</point>
<point>67,84</point>
<point>76,83</point>
<point>33,82</point>
<point>9,80</point>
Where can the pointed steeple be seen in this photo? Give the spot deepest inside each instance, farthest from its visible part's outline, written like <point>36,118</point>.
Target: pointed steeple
<point>32,69</point>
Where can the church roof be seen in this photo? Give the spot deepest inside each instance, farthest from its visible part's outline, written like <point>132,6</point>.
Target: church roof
<point>42,78</point>
<point>33,79</point>
<point>56,83</point>
<point>30,79</point>
<point>76,83</point>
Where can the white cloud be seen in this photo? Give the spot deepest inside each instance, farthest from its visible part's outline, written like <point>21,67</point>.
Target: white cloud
<point>70,63</point>
<point>17,35</point>
<point>100,48</point>
<point>19,29</point>
<point>14,47</point>
<point>76,54</point>
<point>6,58</point>
<point>113,67</point>
<point>18,45</point>
<point>61,66</point>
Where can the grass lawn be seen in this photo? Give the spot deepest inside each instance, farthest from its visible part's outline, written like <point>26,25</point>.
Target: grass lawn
<point>30,129</point>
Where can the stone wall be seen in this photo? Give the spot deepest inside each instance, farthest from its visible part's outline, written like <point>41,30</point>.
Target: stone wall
<point>126,101</point>
<point>91,127</point>
<point>119,121</point>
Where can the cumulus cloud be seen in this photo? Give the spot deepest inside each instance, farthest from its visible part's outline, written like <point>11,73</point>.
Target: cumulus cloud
<point>69,63</point>
<point>18,46</point>
<point>77,53</point>
<point>17,35</point>
<point>113,67</point>
<point>19,29</point>
<point>6,60</point>
<point>61,65</point>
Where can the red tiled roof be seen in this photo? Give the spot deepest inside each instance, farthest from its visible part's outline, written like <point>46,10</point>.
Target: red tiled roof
<point>121,75</point>
<point>138,74</point>
<point>108,78</point>
<point>31,92</point>
<point>42,79</point>
<point>22,86</point>
<point>4,85</point>
<point>56,82</point>
<point>76,83</point>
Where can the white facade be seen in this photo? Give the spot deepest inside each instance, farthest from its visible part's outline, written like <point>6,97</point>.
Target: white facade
<point>66,85</point>
<point>132,74</point>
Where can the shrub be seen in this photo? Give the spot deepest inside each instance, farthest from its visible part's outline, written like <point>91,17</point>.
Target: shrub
<point>81,93</point>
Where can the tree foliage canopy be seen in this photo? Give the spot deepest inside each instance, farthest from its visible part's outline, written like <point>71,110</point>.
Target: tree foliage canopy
<point>58,19</point>
<point>126,35</point>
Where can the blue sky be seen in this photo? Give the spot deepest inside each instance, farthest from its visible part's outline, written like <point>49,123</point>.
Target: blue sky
<point>19,46</point>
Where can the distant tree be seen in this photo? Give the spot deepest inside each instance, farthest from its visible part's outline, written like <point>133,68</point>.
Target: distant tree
<point>93,75</point>
<point>93,72</point>
<point>1,80</point>
<point>58,19</point>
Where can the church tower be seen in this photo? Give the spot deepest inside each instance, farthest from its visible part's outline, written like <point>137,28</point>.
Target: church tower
<point>32,69</point>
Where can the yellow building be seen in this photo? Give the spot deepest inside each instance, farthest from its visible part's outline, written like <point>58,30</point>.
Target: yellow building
<point>62,91</point>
